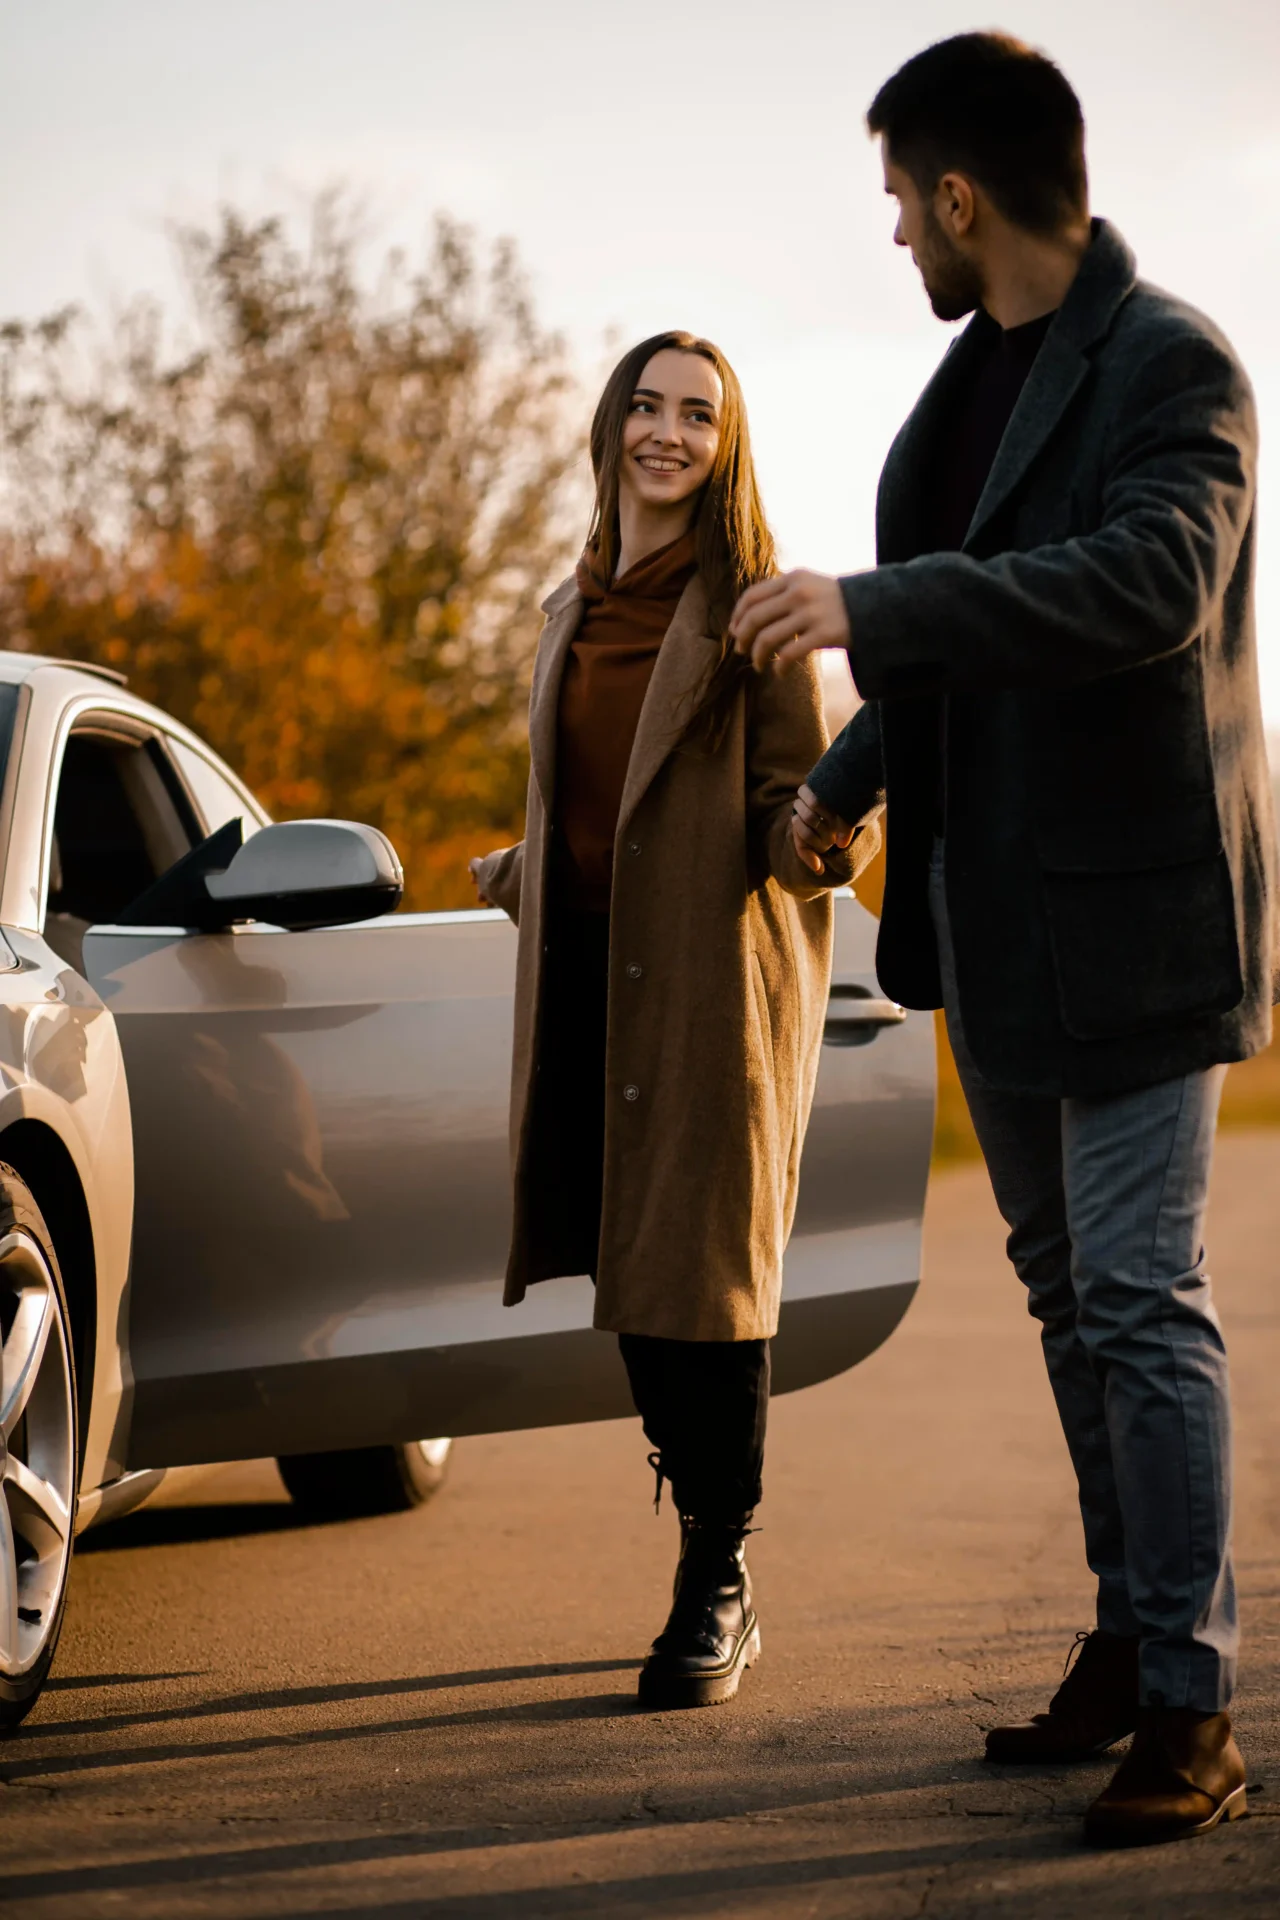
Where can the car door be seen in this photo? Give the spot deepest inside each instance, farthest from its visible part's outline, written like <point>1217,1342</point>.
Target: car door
<point>853,1264</point>
<point>320,1132</point>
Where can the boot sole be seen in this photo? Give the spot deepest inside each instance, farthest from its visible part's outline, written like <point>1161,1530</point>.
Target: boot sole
<point>1234,1807</point>
<point>661,1691</point>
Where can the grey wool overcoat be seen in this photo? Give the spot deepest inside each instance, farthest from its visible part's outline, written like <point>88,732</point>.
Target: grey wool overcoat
<point>719,958</point>
<point>1089,657</point>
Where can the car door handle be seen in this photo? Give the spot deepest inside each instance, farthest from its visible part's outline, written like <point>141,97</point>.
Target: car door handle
<point>855,1017</point>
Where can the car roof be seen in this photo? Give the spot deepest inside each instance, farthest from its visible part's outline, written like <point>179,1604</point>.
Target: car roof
<point>17,667</point>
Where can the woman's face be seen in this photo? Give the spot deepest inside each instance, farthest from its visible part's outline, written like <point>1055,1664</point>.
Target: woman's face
<point>673,429</point>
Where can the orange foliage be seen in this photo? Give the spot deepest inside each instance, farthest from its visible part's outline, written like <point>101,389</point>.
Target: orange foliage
<point>319,537</point>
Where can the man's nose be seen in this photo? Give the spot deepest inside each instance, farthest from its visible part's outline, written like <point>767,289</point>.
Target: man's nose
<point>899,238</point>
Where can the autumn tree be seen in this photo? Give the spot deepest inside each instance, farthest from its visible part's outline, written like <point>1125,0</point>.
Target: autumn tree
<point>319,535</point>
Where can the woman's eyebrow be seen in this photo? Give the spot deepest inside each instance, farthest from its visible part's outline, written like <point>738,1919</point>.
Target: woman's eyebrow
<point>690,399</point>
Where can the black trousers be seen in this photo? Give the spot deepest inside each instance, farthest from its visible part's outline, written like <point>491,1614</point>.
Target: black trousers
<point>703,1403</point>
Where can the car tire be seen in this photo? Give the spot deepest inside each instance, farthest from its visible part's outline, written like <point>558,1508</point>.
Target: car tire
<point>365,1480</point>
<point>39,1450</point>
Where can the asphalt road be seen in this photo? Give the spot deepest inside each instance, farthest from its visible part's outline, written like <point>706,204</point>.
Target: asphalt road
<point>432,1715</point>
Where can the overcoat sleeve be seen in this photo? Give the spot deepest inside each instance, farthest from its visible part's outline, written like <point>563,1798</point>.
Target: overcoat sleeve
<point>785,735</point>
<point>499,879</point>
<point>1177,495</point>
<point>849,778</point>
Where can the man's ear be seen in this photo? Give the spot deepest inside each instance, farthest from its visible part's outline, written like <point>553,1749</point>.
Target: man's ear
<point>955,204</point>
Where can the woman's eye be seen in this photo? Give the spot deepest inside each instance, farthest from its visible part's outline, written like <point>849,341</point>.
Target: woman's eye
<point>701,418</point>
<point>641,406</point>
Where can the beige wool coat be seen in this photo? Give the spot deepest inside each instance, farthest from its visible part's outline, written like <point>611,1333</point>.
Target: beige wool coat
<point>719,959</point>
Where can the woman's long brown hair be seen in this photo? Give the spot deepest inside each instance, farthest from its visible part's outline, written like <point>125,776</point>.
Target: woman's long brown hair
<point>733,543</point>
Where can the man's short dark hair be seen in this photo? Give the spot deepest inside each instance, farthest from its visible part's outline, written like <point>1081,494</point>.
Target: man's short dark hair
<point>985,105</point>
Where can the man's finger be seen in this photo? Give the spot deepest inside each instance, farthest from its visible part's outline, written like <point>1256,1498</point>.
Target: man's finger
<point>782,606</point>
<point>760,594</point>
<point>769,640</point>
<point>783,644</point>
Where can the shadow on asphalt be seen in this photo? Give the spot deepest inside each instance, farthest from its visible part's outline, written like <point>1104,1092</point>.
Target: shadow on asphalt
<point>177,1526</point>
<point>640,1893</point>
<point>271,1701</point>
<point>603,1706</point>
<point>63,1683</point>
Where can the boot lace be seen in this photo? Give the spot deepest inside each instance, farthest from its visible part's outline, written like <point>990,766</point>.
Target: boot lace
<point>655,1461</point>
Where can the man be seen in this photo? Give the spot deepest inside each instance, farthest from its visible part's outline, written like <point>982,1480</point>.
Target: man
<point>1056,653</point>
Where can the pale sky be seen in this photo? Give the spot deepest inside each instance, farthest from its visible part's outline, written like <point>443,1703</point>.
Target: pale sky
<point>697,163</point>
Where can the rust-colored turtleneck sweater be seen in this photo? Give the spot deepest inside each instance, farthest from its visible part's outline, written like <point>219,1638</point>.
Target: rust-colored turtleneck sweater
<point>606,677</point>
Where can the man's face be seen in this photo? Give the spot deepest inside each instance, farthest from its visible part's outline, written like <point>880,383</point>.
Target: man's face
<point>951,278</point>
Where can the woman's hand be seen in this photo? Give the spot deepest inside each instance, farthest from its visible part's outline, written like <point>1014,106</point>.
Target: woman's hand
<point>474,867</point>
<point>815,830</point>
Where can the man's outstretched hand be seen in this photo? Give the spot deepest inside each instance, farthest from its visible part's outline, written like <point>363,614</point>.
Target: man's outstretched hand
<point>815,829</point>
<point>789,616</point>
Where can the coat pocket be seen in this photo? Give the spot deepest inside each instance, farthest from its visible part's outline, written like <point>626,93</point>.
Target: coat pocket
<point>1142,948</point>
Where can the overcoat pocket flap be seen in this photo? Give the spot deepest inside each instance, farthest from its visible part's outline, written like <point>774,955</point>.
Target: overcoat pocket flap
<point>1129,841</point>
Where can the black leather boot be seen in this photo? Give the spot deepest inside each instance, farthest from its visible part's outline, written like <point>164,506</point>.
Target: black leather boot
<point>1096,1705</point>
<point>712,1633</point>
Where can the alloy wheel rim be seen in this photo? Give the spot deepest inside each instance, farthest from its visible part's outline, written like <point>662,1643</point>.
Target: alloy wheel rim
<point>37,1447</point>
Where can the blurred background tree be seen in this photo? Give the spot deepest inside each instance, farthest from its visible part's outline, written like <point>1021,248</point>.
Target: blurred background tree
<point>320,535</point>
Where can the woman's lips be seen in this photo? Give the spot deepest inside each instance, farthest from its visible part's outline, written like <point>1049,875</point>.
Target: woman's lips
<point>653,464</point>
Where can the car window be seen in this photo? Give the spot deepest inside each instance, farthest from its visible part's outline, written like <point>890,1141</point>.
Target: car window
<point>120,820</point>
<point>8,714</point>
<point>217,801</point>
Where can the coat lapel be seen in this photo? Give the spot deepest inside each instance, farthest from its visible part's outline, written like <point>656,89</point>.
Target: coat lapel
<point>1051,386</point>
<point>901,498</point>
<point>1105,279</point>
<point>563,609</point>
<point>686,661</point>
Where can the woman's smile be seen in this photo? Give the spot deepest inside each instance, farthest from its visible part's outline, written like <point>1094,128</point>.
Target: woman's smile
<point>669,442</point>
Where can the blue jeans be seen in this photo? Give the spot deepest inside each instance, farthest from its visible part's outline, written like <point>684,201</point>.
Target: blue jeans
<point>1105,1201</point>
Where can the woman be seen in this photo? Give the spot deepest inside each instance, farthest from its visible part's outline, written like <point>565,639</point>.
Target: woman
<point>673,962</point>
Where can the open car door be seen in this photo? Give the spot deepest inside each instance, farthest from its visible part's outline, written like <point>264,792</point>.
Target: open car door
<point>320,1125</point>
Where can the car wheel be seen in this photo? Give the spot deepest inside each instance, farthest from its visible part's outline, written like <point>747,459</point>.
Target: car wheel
<point>38,1451</point>
<point>365,1480</point>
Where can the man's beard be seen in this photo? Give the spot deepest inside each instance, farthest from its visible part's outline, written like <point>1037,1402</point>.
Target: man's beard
<point>952,283</point>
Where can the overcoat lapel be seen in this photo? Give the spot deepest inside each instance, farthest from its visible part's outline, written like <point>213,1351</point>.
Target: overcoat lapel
<point>902,496</point>
<point>1104,282</point>
<point>686,661</point>
<point>1051,386</point>
<point>563,609</point>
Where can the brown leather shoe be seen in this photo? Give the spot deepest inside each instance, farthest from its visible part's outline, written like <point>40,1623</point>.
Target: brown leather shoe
<point>1182,1775</point>
<point>1096,1705</point>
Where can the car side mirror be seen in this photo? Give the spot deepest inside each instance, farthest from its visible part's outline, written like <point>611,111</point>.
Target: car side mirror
<point>309,873</point>
<point>297,875</point>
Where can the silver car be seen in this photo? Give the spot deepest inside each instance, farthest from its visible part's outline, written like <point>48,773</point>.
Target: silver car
<point>253,1135</point>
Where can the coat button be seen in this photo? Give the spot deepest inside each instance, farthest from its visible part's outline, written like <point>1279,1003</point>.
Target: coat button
<point>633,847</point>
<point>631,1092</point>
<point>634,970</point>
